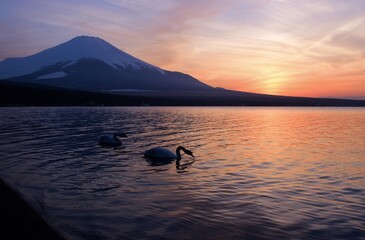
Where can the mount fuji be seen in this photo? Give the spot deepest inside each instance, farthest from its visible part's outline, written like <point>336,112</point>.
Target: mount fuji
<point>92,64</point>
<point>90,71</point>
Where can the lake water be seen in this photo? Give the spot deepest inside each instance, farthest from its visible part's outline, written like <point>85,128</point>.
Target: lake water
<point>258,173</point>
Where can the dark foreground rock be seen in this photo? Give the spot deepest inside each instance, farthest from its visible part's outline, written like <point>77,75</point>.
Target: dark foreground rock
<point>18,220</point>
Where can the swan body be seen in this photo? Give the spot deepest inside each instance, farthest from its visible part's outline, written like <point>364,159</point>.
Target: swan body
<point>111,140</point>
<point>165,154</point>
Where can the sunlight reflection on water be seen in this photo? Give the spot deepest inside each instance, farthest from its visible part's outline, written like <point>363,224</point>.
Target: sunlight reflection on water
<point>259,173</point>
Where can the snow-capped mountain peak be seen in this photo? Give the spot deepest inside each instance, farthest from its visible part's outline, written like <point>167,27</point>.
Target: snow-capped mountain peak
<point>69,53</point>
<point>92,64</point>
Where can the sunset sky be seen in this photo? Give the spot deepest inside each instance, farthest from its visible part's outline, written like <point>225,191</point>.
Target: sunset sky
<point>288,47</point>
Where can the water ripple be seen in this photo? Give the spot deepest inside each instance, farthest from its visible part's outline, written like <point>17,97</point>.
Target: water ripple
<point>259,173</point>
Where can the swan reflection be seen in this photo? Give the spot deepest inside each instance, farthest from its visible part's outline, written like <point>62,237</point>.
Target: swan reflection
<point>180,164</point>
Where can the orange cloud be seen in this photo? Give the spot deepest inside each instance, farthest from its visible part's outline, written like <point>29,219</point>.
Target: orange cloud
<point>302,48</point>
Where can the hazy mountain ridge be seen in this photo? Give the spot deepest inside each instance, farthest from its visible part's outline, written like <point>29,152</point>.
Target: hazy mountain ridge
<point>28,94</point>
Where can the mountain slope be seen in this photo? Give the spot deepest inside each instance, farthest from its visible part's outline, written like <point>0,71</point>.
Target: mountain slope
<point>90,63</point>
<point>69,53</point>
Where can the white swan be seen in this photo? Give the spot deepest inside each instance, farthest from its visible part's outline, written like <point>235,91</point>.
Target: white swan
<point>165,154</point>
<point>111,140</point>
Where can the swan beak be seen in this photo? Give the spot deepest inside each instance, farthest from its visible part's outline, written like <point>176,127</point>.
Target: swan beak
<point>188,152</point>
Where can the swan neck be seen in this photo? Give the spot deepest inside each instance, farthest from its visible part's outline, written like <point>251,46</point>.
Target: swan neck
<point>178,154</point>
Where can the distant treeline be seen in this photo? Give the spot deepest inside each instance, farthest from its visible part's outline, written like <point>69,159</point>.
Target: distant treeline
<point>24,94</point>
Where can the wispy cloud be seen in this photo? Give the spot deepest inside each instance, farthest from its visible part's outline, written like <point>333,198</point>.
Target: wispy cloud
<point>269,46</point>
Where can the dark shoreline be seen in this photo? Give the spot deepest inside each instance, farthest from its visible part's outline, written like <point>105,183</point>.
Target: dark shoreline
<point>20,221</point>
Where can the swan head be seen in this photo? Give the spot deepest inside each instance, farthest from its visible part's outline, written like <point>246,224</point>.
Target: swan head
<point>188,152</point>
